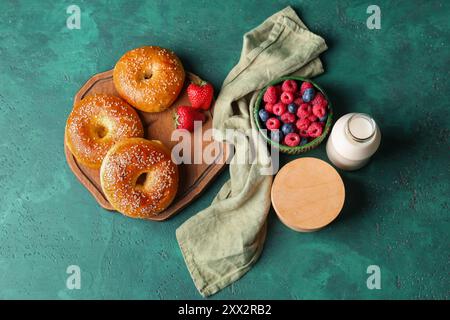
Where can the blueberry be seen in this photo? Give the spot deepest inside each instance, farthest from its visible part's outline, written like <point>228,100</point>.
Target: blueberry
<point>263,115</point>
<point>292,108</point>
<point>276,135</point>
<point>324,118</point>
<point>287,128</point>
<point>303,141</point>
<point>308,95</point>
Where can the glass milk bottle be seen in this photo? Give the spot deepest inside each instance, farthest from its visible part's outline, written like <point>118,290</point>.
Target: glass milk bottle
<point>353,140</point>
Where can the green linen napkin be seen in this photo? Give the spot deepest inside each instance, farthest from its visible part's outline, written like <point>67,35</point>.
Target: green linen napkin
<point>222,242</point>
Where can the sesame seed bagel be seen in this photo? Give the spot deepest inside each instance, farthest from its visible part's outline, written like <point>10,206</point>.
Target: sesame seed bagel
<point>149,78</point>
<point>139,178</point>
<point>96,123</point>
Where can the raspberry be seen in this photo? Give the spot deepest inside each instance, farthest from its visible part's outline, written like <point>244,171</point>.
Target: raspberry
<point>304,86</point>
<point>319,110</point>
<point>288,117</point>
<point>279,108</point>
<point>298,101</point>
<point>304,111</point>
<point>273,124</point>
<point>289,86</point>
<point>271,95</point>
<point>312,118</point>
<point>303,124</point>
<point>303,133</point>
<point>292,139</point>
<point>287,97</point>
<point>315,130</point>
<point>319,99</point>
<point>269,107</point>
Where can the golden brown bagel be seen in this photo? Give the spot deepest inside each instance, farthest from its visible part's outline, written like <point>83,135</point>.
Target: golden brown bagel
<point>149,78</point>
<point>96,123</point>
<point>138,177</point>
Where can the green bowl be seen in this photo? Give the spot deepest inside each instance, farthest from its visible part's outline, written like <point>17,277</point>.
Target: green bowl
<point>283,148</point>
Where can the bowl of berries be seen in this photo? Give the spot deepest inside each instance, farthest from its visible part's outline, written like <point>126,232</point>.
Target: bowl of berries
<point>293,114</point>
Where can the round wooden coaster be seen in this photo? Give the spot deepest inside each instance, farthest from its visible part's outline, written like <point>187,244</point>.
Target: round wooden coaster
<point>307,194</point>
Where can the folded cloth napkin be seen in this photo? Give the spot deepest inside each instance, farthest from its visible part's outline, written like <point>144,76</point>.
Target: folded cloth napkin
<point>222,242</point>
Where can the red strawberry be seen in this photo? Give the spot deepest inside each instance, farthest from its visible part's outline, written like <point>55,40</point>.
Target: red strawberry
<point>185,117</point>
<point>200,95</point>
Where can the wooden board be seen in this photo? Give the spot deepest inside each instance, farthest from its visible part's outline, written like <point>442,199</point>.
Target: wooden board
<point>194,178</point>
<point>307,194</point>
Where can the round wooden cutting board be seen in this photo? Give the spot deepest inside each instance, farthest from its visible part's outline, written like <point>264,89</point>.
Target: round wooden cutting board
<point>194,178</point>
<point>307,194</point>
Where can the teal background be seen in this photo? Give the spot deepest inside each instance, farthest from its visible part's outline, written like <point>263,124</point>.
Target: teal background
<point>397,210</point>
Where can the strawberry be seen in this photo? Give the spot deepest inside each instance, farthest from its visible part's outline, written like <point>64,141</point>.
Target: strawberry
<point>200,95</point>
<point>185,117</point>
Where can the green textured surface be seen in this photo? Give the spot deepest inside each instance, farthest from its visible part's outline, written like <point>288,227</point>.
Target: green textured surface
<point>397,210</point>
